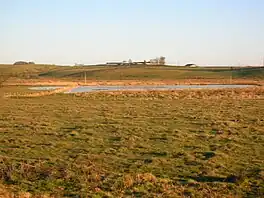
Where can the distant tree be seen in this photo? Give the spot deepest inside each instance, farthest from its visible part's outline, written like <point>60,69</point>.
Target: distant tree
<point>21,63</point>
<point>162,60</point>
<point>154,61</point>
<point>24,63</point>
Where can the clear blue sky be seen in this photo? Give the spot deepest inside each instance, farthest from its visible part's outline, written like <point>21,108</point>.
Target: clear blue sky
<point>206,32</point>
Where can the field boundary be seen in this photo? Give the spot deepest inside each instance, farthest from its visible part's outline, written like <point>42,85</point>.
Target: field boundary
<point>38,94</point>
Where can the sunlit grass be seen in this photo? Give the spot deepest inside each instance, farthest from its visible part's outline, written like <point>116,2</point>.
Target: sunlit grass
<point>202,143</point>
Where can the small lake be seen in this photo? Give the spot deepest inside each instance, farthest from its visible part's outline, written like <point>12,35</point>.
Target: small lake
<point>82,89</point>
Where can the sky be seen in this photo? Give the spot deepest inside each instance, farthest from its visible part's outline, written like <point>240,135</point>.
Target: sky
<point>204,32</point>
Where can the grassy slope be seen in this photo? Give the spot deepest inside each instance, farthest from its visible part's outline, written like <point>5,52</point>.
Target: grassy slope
<point>137,73</point>
<point>153,144</point>
<point>125,73</point>
<point>24,71</point>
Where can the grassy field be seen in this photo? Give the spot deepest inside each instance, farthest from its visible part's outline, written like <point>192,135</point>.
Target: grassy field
<point>143,73</point>
<point>203,143</point>
<point>133,144</point>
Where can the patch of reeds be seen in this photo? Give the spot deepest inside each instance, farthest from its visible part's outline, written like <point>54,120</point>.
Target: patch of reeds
<point>37,94</point>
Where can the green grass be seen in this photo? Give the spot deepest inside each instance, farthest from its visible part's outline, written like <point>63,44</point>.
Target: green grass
<point>128,73</point>
<point>166,144</point>
<point>25,71</point>
<point>134,73</point>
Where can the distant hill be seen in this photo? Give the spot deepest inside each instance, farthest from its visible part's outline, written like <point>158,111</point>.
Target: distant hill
<point>129,73</point>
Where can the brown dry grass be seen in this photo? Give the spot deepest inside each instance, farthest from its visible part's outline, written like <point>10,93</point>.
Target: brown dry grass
<point>38,94</point>
<point>237,93</point>
<point>38,82</point>
<point>55,82</point>
<point>168,188</point>
<point>9,193</point>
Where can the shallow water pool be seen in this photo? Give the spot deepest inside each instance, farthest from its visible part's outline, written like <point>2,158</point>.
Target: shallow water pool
<point>82,89</point>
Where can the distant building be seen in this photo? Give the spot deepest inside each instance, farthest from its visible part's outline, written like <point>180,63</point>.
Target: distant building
<point>191,65</point>
<point>155,61</point>
<point>125,63</point>
<point>78,65</point>
<point>115,63</point>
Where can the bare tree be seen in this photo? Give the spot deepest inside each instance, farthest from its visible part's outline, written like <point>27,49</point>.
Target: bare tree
<point>158,61</point>
<point>154,61</point>
<point>162,60</point>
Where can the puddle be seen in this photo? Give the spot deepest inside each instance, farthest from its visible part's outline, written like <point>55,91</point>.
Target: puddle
<point>82,89</point>
<point>151,87</point>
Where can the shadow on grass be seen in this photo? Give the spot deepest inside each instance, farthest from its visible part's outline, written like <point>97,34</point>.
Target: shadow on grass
<point>202,178</point>
<point>155,153</point>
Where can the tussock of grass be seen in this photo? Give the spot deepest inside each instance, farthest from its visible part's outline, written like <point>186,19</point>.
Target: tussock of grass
<point>8,193</point>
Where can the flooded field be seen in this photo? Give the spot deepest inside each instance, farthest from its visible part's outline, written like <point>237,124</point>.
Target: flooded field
<point>82,89</point>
